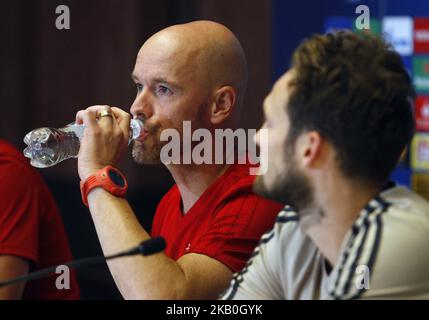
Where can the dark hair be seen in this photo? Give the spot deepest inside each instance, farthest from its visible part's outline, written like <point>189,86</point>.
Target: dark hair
<point>355,91</point>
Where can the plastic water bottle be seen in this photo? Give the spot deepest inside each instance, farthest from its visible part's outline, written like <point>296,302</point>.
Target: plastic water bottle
<point>48,146</point>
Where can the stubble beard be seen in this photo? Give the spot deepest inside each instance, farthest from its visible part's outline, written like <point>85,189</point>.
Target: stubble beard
<point>148,151</point>
<point>292,188</point>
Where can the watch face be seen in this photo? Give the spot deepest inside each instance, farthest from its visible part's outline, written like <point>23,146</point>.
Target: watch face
<point>116,178</point>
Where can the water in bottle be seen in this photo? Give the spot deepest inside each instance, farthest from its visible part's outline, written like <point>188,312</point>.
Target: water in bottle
<point>48,146</point>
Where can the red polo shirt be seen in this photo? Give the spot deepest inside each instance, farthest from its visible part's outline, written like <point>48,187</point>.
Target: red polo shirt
<point>31,226</point>
<point>225,223</point>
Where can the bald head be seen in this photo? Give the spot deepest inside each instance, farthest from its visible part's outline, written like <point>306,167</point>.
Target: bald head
<point>204,52</point>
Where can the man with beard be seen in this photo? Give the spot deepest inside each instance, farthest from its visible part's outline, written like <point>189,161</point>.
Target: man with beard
<point>341,116</point>
<point>211,218</point>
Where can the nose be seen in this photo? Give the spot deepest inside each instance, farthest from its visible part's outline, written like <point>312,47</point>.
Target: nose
<point>142,105</point>
<point>256,137</point>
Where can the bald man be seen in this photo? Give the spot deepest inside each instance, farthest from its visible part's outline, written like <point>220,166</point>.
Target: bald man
<point>211,218</point>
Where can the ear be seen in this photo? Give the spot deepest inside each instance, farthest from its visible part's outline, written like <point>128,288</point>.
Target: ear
<point>310,148</point>
<point>223,104</point>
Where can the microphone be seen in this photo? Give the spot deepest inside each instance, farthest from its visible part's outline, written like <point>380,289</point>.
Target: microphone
<point>146,248</point>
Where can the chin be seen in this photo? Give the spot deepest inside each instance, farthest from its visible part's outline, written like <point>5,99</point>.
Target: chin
<point>142,154</point>
<point>260,187</point>
<point>277,189</point>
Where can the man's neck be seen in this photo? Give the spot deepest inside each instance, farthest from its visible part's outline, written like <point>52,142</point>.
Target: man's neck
<point>335,211</point>
<point>193,180</point>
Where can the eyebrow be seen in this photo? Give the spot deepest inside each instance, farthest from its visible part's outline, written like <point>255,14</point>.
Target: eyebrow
<point>162,80</point>
<point>156,80</point>
<point>133,76</point>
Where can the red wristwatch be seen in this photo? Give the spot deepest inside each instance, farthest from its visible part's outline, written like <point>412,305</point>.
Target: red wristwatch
<point>108,178</point>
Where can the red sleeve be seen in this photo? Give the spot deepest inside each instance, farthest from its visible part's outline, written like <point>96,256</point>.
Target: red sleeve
<point>158,219</point>
<point>161,209</point>
<point>156,223</point>
<point>19,223</point>
<point>235,229</point>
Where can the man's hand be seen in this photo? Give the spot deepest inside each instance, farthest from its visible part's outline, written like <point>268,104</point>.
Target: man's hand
<point>104,139</point>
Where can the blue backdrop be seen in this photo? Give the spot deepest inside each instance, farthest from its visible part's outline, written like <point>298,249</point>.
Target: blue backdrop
<point>295,20</point>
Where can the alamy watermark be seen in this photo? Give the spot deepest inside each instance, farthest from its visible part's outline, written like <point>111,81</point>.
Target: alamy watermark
<point>62,282</point>
<point>62,22</point>
<point>363,21</point>
<point>203,147</point>
<point>363,277</point>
